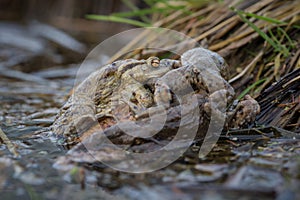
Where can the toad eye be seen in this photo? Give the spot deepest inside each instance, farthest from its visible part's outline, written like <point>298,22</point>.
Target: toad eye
<point>218,60</point>
<point>153,61</point>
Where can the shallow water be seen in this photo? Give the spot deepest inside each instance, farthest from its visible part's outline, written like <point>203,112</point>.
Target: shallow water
<point>264,165</point>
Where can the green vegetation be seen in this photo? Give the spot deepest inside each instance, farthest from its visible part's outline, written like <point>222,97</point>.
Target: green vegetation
<point>252,86</point>
<point>158,7</point>
<point>118,19</point>
<point>272,39</point>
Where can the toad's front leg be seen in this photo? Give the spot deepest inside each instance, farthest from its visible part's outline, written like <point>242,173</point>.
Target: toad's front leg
<point>77,115</point>
<point>137,97</point>
<point>135,94</point>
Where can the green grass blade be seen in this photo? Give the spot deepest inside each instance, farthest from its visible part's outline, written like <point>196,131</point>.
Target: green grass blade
<point>137,13</point>
<point>296,26</point>
<point>118,19</point>
<point>259,31</point>
<point>247,90</point>
<point>130,5</point>
<point>283,48</point>
<point>267,19</point>
<point>291,43</point>
<point>150,2</point>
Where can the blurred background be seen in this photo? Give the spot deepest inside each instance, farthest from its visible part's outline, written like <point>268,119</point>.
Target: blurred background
<point>68,15</point>
<point>43,43</point>
<point>56,31</point>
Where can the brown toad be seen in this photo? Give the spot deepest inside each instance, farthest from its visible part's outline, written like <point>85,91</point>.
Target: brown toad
<point>104,90</point>
<point>147,87</point>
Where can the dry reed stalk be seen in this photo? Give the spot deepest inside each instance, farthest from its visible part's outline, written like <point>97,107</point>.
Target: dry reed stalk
<point>225,32</point>
<point>10,146</point>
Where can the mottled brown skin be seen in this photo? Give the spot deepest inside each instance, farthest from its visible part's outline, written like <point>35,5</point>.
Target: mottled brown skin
<point>134,89</point>
<point>103,93</point>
